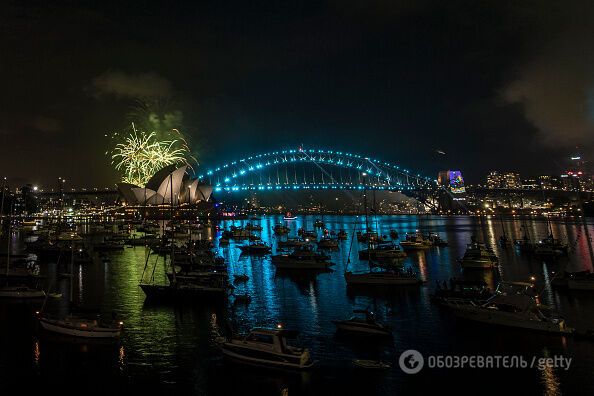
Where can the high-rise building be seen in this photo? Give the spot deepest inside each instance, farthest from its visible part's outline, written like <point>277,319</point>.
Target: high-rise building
<point>509,180</point>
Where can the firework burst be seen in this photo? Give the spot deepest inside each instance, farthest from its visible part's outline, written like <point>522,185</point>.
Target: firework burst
<point>140,155</point>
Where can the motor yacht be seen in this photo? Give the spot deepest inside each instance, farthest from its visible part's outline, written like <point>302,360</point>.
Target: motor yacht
<point>366,325</point>
<point>415,241</point>
<point>256,248</point>
<point>266,347</point>
<point>328,243</point>
<point>478,255</point>
<point>304,257</point>
<point>514,304</point>
<point>382,277</point>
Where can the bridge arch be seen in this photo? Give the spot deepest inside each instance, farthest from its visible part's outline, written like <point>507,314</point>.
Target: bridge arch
<point>307,168</point>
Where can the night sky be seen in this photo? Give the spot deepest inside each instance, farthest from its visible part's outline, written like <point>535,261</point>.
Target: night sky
<point>503,85</point>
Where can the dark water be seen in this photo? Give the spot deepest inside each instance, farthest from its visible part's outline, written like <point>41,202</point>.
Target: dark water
<point>170,350</point>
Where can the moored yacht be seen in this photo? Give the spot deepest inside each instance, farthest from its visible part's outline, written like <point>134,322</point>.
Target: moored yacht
<point>514,304</point>
<point>21,292</point>
<point>266,347</point>
<point>381,277</point>
<point>415,241</point>
<point>328,243</point>
<point>478,255</point>
<point>364,326</point>
<point>302,258</point>
<point>256,248</point>
<point>382,251</point>
<point>76,326</point>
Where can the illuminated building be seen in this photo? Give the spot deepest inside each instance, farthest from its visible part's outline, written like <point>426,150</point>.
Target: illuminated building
<point>455,190</point>
<point>170,185</point>
<point>509,180</point>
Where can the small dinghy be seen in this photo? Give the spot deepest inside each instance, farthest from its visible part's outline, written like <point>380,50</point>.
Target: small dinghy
<point>241,278</point>
<point>371,364</point>
<point>243,298</point>
<point>54,295</point>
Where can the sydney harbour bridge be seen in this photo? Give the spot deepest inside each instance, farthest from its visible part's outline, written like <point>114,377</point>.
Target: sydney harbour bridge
<point>314,169</point>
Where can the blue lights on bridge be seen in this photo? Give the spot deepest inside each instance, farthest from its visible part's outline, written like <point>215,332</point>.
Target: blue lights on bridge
<point>315,169</point>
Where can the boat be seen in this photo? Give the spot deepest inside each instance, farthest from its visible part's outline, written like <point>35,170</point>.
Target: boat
<point>369,237</point>
<point>514,304</point>
<point>372,364</point>
<point>415,241</point>
<point>241,277</point>
<point>21,292</point>
<point>255,248</point>
<point>289,216</point>
<point>580,281</point>
<point>378,276</point>
<point>253,227</point>
<point>367,325</point>
<point>382,252</point>
<point>238,232</point>
<point>478,255</point>
<point>319,224</point>
<point>291,243</point>
<point>549,247</point>
<point>77,326</point>
<point>242,298</point>
<point>436,240</point>
<point>328,243</point>
<point>303,258</point>
<point>460,289</point>
<point>266,347</point>
<point>281,229</point>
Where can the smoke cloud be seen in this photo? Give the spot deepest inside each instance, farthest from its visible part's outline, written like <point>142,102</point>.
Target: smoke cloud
<point>144,85</point>
<point>556,89</point>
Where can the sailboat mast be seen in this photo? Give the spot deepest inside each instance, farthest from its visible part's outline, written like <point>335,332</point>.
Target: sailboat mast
<point>8,238</point>
<point>172,227</point>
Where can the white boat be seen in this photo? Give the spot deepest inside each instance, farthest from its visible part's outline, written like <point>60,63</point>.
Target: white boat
<point>514,304</point>
<point>478,255</point>
<point>416,241</point>
<point>81,327</point>
<point>266,347</point>
<point>21,292</point>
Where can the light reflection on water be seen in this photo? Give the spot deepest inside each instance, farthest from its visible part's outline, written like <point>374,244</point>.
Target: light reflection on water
<point>169,348</point>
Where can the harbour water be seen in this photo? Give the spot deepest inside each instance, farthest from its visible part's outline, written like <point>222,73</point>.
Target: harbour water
<point>169,349</point>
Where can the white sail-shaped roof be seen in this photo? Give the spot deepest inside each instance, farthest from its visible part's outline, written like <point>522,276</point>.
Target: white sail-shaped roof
<point>171,185</point>
<point>143,194</point>
<point>203,193</point>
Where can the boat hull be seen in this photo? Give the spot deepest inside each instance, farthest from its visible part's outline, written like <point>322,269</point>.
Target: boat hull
<point>361,328</point>
<point>370,279</point>
<point>301,264</point>
<point>262,358</point>
<point>484,315</point>
<point>58,328</point>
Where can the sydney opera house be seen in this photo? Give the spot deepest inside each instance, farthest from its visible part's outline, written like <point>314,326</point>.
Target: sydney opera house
<point>168,186</point>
